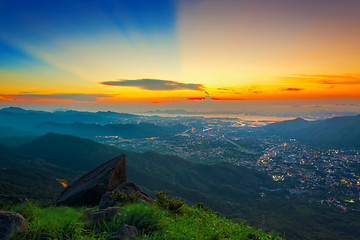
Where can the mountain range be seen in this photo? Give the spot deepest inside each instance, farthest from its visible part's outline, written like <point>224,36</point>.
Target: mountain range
<point>337,131</point>
<point>19,122</point>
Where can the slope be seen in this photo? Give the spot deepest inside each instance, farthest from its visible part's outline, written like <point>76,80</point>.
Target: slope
<point>213,184</point>
<point>32,177</point>
<point>338,131</point>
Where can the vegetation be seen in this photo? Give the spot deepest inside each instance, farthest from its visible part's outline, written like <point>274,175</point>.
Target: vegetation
<point>53,222</point>
<point>152,221</point>
<point>173,205</point>
<point>118,196</point>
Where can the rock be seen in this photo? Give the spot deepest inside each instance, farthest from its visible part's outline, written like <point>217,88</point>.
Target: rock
<point>124,193</point>
<point>126,232</point>
<point>92,218</point>
<point>88,189</point>
<point>11,223</point>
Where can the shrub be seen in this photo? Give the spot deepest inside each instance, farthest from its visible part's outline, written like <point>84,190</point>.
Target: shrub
<point>143,216</point>
<point>121,198</point>
<point>173,205</point>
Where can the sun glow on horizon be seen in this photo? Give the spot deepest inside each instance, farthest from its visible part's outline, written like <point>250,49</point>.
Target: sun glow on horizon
<point>234,50</point>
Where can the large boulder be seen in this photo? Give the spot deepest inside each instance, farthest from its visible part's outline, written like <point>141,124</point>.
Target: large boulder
<point>125,193</point>
<point>88,189</point>
<point>11,223</point>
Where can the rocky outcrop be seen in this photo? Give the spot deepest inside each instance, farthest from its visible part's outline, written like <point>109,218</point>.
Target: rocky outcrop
<point>11,223</point>
<point>91,218</point>
<point>124,193</point>
<point>118,176</point>
<point>88,189</point>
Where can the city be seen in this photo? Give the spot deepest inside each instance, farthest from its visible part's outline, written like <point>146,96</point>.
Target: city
<point>323,175</point>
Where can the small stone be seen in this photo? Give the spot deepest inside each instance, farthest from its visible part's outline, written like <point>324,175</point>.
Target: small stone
<point>128,232</point>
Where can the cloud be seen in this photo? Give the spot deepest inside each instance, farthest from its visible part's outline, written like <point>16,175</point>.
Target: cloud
<point>348,79</point>
<point>195,98</point>
<point>347,105</point>
<point>317,106</point>
<point>255,92</point>
<point>156,84</point>
<point>292,89</point>
<point>78,97</point>
<point>227,98</point>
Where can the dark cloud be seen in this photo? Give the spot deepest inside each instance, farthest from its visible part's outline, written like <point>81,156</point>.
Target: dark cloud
<point>156,84</point>
<point>292,89</point>
<point>80,97</point>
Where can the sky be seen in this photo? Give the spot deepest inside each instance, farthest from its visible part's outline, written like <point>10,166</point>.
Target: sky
<point>198,55</point>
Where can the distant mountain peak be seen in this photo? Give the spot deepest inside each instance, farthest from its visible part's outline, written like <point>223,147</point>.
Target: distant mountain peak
<point>14,110</point>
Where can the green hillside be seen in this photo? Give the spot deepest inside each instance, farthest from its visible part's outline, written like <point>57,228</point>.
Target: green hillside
<point>231,190</point>
<point>69,151</point>
<point>32,177</point>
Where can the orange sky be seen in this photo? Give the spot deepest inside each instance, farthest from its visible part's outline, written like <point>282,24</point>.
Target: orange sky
<point>230,50</point>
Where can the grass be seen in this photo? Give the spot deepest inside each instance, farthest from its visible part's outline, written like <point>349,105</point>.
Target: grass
<point>198,223</point>
<point>157,221</point>
<point>53,222</point>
